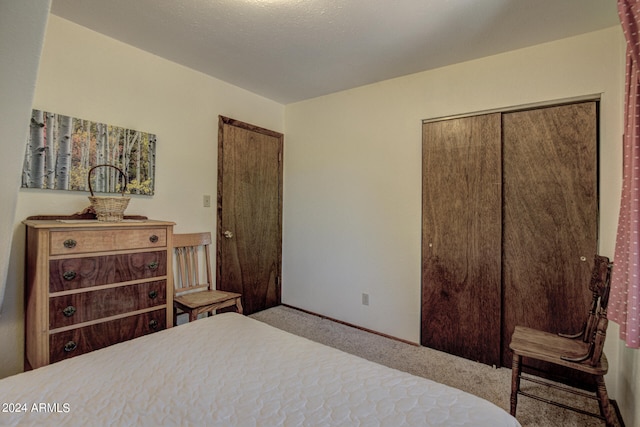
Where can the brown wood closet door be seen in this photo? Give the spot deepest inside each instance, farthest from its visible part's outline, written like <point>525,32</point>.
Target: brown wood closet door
<point>550,217</point>
<point>461,203</point>
<point>249,242</point>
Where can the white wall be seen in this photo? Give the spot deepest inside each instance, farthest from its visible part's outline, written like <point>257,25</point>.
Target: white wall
<point>352,214</point>
<point>21,24</point>
<point>86,75</point>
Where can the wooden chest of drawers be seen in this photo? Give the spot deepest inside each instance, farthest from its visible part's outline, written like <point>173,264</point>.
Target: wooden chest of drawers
<point>92,284</point>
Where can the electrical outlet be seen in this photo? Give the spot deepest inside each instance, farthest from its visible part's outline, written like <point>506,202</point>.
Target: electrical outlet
<point>206,201</point>
<point>365,299</point>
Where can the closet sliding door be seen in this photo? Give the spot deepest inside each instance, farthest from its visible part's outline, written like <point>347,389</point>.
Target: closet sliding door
<point>509,226</point>
<point>461,236</point>
<point>550,217</point>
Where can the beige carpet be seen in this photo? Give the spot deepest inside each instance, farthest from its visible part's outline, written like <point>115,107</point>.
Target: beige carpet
<point>491,384</point>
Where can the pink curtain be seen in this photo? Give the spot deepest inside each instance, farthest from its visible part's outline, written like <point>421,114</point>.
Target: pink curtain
<point>624,302</point>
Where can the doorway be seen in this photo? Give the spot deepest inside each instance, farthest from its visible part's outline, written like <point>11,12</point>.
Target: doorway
<point>249,231</point>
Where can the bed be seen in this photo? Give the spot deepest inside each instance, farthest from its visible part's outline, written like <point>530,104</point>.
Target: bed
<point>231,370</point>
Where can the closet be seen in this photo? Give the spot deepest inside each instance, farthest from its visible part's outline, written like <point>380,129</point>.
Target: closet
<point>509,226</point>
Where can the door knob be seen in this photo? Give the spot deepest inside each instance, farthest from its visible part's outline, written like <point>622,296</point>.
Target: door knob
<point>227,234</point>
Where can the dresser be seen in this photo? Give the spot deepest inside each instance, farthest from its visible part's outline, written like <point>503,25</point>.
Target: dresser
<point>92,284</point>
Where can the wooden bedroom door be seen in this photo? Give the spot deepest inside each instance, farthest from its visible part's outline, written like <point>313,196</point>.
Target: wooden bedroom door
<point>461,229</point>
<point>249,238</point>
<point>550,217</point>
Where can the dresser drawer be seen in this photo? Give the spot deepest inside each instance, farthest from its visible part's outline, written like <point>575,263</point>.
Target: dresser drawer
<point>91,305</point>
<point>76,273</point>
<point>64,345</point>
<point>87,241</point>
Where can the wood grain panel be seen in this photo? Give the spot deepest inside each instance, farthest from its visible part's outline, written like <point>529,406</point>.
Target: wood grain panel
<point>93,305</point>
<point>77,273</point>
<point>250,207</point>
<point>461,249</point>
<point>100,335</point>
<point>36,298</point>
<point>550,217</point>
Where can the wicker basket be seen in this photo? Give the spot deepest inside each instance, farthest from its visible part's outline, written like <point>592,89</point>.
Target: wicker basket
<point>108,208</point>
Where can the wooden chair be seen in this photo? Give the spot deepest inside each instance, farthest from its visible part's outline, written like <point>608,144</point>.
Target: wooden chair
<point>581,352</point>
<point>191,295</point>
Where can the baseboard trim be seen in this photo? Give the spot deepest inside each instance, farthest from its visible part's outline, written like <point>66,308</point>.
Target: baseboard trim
<point>353,326</point>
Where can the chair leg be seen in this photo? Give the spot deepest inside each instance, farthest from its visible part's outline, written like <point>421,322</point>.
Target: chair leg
<point>239,305</point>
<point>516,370</point>
<point>603,400</point>
<point>193,315</point>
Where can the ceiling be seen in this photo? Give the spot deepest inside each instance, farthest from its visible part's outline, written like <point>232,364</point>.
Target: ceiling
<point>291,50</point>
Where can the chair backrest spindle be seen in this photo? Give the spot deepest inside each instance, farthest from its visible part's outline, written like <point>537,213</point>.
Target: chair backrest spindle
<point>599,286</point>
<point>190,249</point>
<point>595,326</point>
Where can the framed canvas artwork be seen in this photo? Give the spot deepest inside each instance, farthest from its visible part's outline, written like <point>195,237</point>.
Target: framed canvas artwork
<point>61,150</point>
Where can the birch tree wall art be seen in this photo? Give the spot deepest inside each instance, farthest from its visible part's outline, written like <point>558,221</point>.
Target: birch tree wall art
<point>61,150</point>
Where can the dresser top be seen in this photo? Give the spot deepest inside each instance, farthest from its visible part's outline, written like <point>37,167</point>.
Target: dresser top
<point>74,223</point>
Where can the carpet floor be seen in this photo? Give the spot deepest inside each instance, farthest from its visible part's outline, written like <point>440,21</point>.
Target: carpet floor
<point>481,380</point>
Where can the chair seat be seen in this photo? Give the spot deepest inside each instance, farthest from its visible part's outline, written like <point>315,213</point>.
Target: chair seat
<point>550,347</point>
<point>199,299</point>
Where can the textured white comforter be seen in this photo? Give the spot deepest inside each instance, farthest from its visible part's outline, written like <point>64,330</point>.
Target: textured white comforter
<point>231,370</point>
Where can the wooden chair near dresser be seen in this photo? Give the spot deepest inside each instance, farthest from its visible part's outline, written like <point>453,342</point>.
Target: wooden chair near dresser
<point>192,296</point>
<point>581,352</point>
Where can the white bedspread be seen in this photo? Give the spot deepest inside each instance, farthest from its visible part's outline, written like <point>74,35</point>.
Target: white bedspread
<point>231,370</point>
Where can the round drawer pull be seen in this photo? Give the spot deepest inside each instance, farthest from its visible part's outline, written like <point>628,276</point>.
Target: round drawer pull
<point>153,238</point>
<point>153,294</point>
<point>70,243</point>
<point>70,346</point>
<point>153,265</point>
<point>69,311</point>
<point>69,275</point>
<point>153,324</point>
